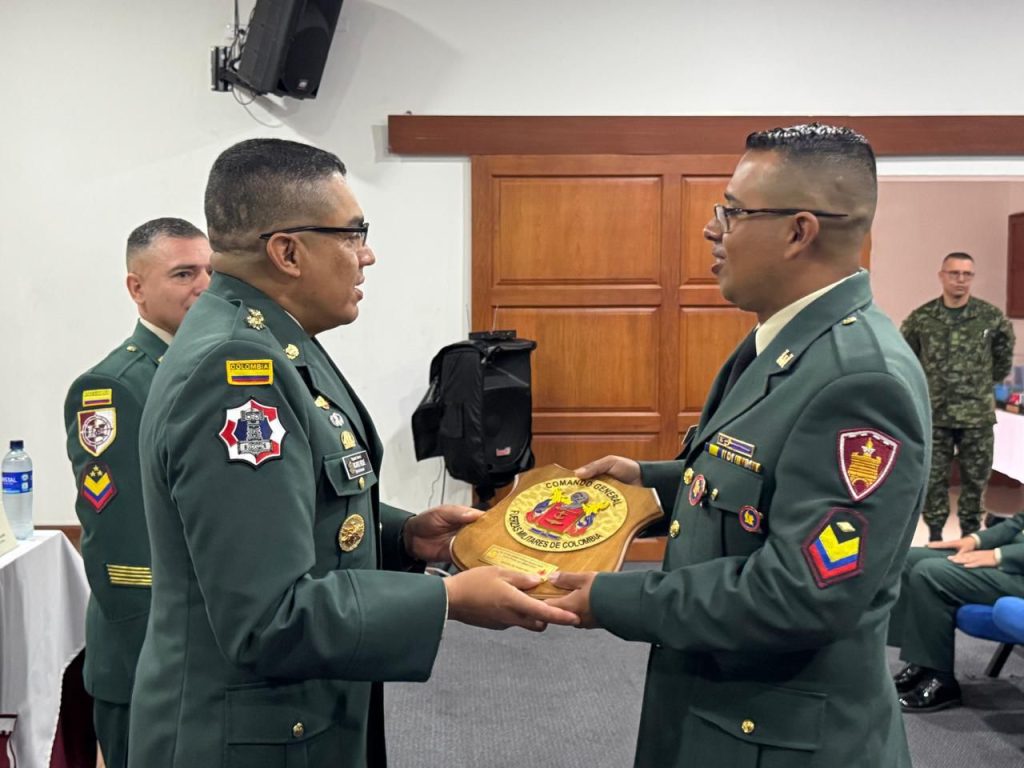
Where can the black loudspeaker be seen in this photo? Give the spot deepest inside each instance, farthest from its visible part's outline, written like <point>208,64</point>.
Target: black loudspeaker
<point>286,46</point>
<point>507,414</point>
<point>477,412</point>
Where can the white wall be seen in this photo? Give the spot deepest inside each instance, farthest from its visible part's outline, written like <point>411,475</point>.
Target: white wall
<point>108,121</point>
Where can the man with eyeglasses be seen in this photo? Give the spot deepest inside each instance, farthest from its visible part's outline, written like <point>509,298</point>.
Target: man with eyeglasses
<point>965,345</point>
<point>168,267</point>
<point>284,590</point>
<point>790,509</point>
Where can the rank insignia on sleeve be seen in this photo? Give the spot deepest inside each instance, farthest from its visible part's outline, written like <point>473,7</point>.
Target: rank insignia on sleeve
<point>98,485</point>
<point>866,456</point>
<point>94,398</point>
<point>97,429</point>
<point>249,373</point>
<point>253,433</point>
<point>835,550</point>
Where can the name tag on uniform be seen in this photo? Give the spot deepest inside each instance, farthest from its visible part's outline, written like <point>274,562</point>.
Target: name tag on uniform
<point>357,465</point>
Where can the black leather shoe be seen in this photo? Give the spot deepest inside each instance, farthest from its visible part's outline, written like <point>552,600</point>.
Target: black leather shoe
<point>931,696</point>
<point>908,678</point>
<point>934,533</point>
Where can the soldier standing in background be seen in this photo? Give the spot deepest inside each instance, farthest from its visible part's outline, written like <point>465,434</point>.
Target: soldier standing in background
<point>964,345</point>
<point>168,263</point>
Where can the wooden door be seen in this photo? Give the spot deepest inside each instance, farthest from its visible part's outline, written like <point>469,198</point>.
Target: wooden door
<point>601,260</point>
<point>1015,267</point>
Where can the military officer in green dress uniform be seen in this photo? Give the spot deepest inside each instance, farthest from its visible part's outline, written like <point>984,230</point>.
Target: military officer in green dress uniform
<point>168,263</point>
<point>792,505</point>
<point>987,565</point>
<point>284,590</point>
<point>964,345</point>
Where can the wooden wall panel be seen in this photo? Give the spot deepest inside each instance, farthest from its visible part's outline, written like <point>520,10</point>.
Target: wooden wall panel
<point>590,358</point>
<point>573,451</point>
<point>578,230</point>
<point>472,135</point>
<point>706,339</point>
<point>699,199</point>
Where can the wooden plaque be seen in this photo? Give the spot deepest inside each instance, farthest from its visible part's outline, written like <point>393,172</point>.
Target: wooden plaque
<point>552,520</point>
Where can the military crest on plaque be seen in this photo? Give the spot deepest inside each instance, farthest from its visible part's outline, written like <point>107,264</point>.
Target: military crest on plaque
<point>553,520</point>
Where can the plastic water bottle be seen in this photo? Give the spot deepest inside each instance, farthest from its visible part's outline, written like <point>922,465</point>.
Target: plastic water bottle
<point>17,471</point>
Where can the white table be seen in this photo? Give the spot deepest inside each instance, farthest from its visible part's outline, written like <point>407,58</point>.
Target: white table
<point>43,594</point>
<point>1008,457</point>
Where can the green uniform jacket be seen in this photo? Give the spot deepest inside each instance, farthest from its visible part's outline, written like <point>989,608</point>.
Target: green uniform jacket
<point>798,501</point>
<point>962,356</point>
<point>102,414</point>
<point>270,612</point>
<point>1008,538</point>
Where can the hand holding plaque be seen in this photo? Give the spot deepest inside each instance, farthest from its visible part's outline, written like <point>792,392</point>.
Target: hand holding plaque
<point>553,520</point>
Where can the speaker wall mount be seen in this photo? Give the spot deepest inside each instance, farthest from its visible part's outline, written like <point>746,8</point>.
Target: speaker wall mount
<point>282,51</point>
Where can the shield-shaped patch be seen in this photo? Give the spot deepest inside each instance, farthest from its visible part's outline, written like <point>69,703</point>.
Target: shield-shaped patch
<point>866,457</point>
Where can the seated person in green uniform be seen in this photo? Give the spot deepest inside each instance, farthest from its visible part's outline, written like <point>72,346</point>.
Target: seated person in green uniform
<point>168,262</point>
<point>987,565</point>
<point>284,589</point>
<point>792,504</point>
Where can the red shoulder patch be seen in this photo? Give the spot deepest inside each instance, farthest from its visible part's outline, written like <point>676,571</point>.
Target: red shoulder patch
<point>866,457</point>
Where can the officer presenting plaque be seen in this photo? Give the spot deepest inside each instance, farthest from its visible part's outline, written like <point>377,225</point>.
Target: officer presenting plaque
<point>552,520</point>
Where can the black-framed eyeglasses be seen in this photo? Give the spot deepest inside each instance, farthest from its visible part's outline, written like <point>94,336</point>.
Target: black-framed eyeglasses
<point>723,213</point>
<point>357,234</point>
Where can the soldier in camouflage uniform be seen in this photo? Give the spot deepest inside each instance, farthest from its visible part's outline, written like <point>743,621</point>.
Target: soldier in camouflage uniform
<point>964,345</point>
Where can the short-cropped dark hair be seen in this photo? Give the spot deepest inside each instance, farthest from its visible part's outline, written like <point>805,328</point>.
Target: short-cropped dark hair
<point>143,235</point>
<point>957,255</point>
<point>815,142</point>
<point>259,183</point>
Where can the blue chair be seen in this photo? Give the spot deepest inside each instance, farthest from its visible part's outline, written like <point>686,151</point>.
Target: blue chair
<point>1002,622</point>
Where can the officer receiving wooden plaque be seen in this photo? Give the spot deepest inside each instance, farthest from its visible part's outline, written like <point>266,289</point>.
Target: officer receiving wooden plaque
<point>552,520</point>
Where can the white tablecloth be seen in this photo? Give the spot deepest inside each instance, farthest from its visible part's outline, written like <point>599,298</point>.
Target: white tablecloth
<point>43,594</point>
<point>1009,451</point>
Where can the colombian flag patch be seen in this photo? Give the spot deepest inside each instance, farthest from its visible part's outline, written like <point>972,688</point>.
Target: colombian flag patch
<point>250,373</point>
<point>94,398</point>
<point>835,550</point>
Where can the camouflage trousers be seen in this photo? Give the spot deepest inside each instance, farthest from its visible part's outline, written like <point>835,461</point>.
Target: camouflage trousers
<point>973,447</point>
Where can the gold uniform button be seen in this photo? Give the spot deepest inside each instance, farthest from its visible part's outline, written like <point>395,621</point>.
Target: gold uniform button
<point>714,494</point>
<point>132,348</point>
<point>673,530</point>
<point>298,730</point>
<point>362,483</point>
<point>747,726</point>
<point>688,475</point>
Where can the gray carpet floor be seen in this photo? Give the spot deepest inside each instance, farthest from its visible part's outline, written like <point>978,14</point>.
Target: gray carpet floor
<point>570,698</point>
